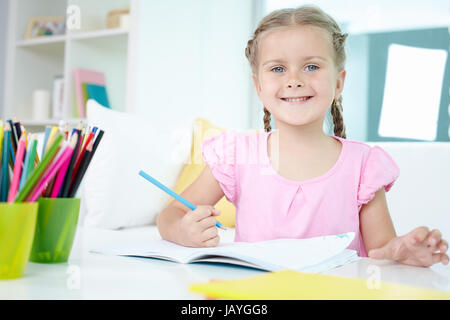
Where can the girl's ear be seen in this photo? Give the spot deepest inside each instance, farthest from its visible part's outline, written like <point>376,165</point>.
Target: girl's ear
<point>340,83</point>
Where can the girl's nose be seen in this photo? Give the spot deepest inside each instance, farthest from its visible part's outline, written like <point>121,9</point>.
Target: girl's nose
<point>295,83</point>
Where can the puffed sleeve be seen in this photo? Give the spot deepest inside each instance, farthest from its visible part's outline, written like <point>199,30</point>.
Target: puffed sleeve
<point>379,170</point>
<point>219,152</point>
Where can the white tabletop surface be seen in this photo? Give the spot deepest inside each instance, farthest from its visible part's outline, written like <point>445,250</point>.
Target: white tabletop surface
<point>94,276</point>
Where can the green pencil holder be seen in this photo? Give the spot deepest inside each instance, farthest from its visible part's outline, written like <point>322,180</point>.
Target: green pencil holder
<point>56,224</point>
<point>17,227</point>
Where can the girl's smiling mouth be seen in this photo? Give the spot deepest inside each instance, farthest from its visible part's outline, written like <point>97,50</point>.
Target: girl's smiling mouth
<point>296,99</point>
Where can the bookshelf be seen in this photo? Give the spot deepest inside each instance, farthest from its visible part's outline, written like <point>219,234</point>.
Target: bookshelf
<point>33,63</point>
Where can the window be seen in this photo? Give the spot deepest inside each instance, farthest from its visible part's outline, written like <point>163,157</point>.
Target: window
<point>412,92</point>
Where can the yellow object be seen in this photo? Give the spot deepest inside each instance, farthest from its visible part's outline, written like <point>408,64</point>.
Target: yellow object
<point>50,140</point>
<point>293,285</point>
<point>203,129</point>
<point>17,227</point>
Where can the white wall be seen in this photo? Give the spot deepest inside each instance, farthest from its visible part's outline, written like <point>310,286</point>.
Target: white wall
<point>3,36</point>
<point>191,61</point>
<point>355,103</point>
<point>364,16</point>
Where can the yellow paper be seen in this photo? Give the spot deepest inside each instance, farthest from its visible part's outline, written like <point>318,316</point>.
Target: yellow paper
<point>293,285</point>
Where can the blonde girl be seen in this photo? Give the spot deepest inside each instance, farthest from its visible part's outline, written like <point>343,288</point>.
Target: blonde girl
<point>297,181</point>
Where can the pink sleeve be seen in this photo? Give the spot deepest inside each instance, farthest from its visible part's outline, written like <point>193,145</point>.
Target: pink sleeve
<point>379,170</point>
<point>219,152</point>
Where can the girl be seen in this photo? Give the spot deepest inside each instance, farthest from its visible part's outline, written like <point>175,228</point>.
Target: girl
<point>296,181</point>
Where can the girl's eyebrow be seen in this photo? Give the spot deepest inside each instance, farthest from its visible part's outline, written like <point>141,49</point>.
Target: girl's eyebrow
<point>304,58</point>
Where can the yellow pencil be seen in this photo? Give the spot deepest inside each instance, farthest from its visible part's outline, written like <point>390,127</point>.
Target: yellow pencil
<point>51,137</point>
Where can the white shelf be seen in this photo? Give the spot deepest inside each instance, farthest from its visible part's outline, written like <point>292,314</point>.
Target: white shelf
<point>50,122</point>
<point>33,63</point>
<point>94,34</point>
<point>98,34</point>
<point>41,41</point>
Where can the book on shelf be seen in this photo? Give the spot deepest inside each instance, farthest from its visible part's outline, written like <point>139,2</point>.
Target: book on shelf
<point>98,93</point>
<point>85,76</point>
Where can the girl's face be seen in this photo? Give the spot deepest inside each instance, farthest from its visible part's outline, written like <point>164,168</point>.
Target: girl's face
<point>297,78</point>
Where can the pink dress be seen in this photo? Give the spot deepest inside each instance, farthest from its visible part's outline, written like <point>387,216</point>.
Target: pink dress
<point>270,206</point>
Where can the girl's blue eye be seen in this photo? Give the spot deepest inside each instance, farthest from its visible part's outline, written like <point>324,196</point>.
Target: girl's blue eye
<point>280,69</point>
<point>308,68</point>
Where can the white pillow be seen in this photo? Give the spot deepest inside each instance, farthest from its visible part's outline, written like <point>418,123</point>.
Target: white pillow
<point>114,195</point>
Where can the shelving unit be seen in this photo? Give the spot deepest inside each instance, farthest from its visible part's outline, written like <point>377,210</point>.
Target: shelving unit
<point>33,63</point>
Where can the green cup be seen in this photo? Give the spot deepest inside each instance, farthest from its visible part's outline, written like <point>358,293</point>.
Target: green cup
<point>17,227</point>
<point>56,224</point>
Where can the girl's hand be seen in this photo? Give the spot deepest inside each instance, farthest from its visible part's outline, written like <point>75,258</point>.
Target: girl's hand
<point>198,228</point>
<point>417,248</point>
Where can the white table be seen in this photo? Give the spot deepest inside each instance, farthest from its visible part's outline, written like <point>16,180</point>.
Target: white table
<point>94,276</point>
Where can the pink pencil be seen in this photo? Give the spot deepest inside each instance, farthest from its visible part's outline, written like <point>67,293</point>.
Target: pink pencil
<point>51,172</point>
<point>60,179</point>
<point>17,169</point>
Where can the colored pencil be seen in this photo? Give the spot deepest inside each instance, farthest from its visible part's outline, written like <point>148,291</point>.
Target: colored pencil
<point>59,179</point>
<point>172,193</point>
<point>17,169</point>
<point>18,129</point>
<point>66,131</point>
<point>83,167</point>
<point>41,167</point>
<point>53,169</point>
<point>51,138</point>
<point>5,158</point>
<point>68,178</point>
<point>97,140</point>
<point>48,129</point>
<point>14,138</point>
<point>80,157</point>
<point>28,164</point>
<point>11,153</point>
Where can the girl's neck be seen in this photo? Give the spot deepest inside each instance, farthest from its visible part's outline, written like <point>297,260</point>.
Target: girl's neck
<point>299,139</point>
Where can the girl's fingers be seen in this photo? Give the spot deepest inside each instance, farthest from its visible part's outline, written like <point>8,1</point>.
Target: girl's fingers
<point>209,234</point>
<point>418,235</point>
<point>434,238</point>
<point>213,242</point>
<point>208,222</point>
<point>380,253</point>
<point>443,246</point>
<point>439,257</point>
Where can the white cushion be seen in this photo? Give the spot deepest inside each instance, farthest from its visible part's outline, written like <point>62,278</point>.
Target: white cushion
<point>114,195</point>
<point>420,195</point>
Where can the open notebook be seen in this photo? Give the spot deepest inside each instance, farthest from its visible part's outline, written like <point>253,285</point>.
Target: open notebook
<point>309,255</point>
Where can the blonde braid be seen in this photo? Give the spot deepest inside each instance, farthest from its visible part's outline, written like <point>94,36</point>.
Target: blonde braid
<point>338,118</point>
<point>267,127</point>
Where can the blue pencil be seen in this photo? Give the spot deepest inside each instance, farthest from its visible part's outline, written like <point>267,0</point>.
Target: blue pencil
<point>24,169</point>
<point>48,129</point>
<point>5,170</point>
<point>173,194</point>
